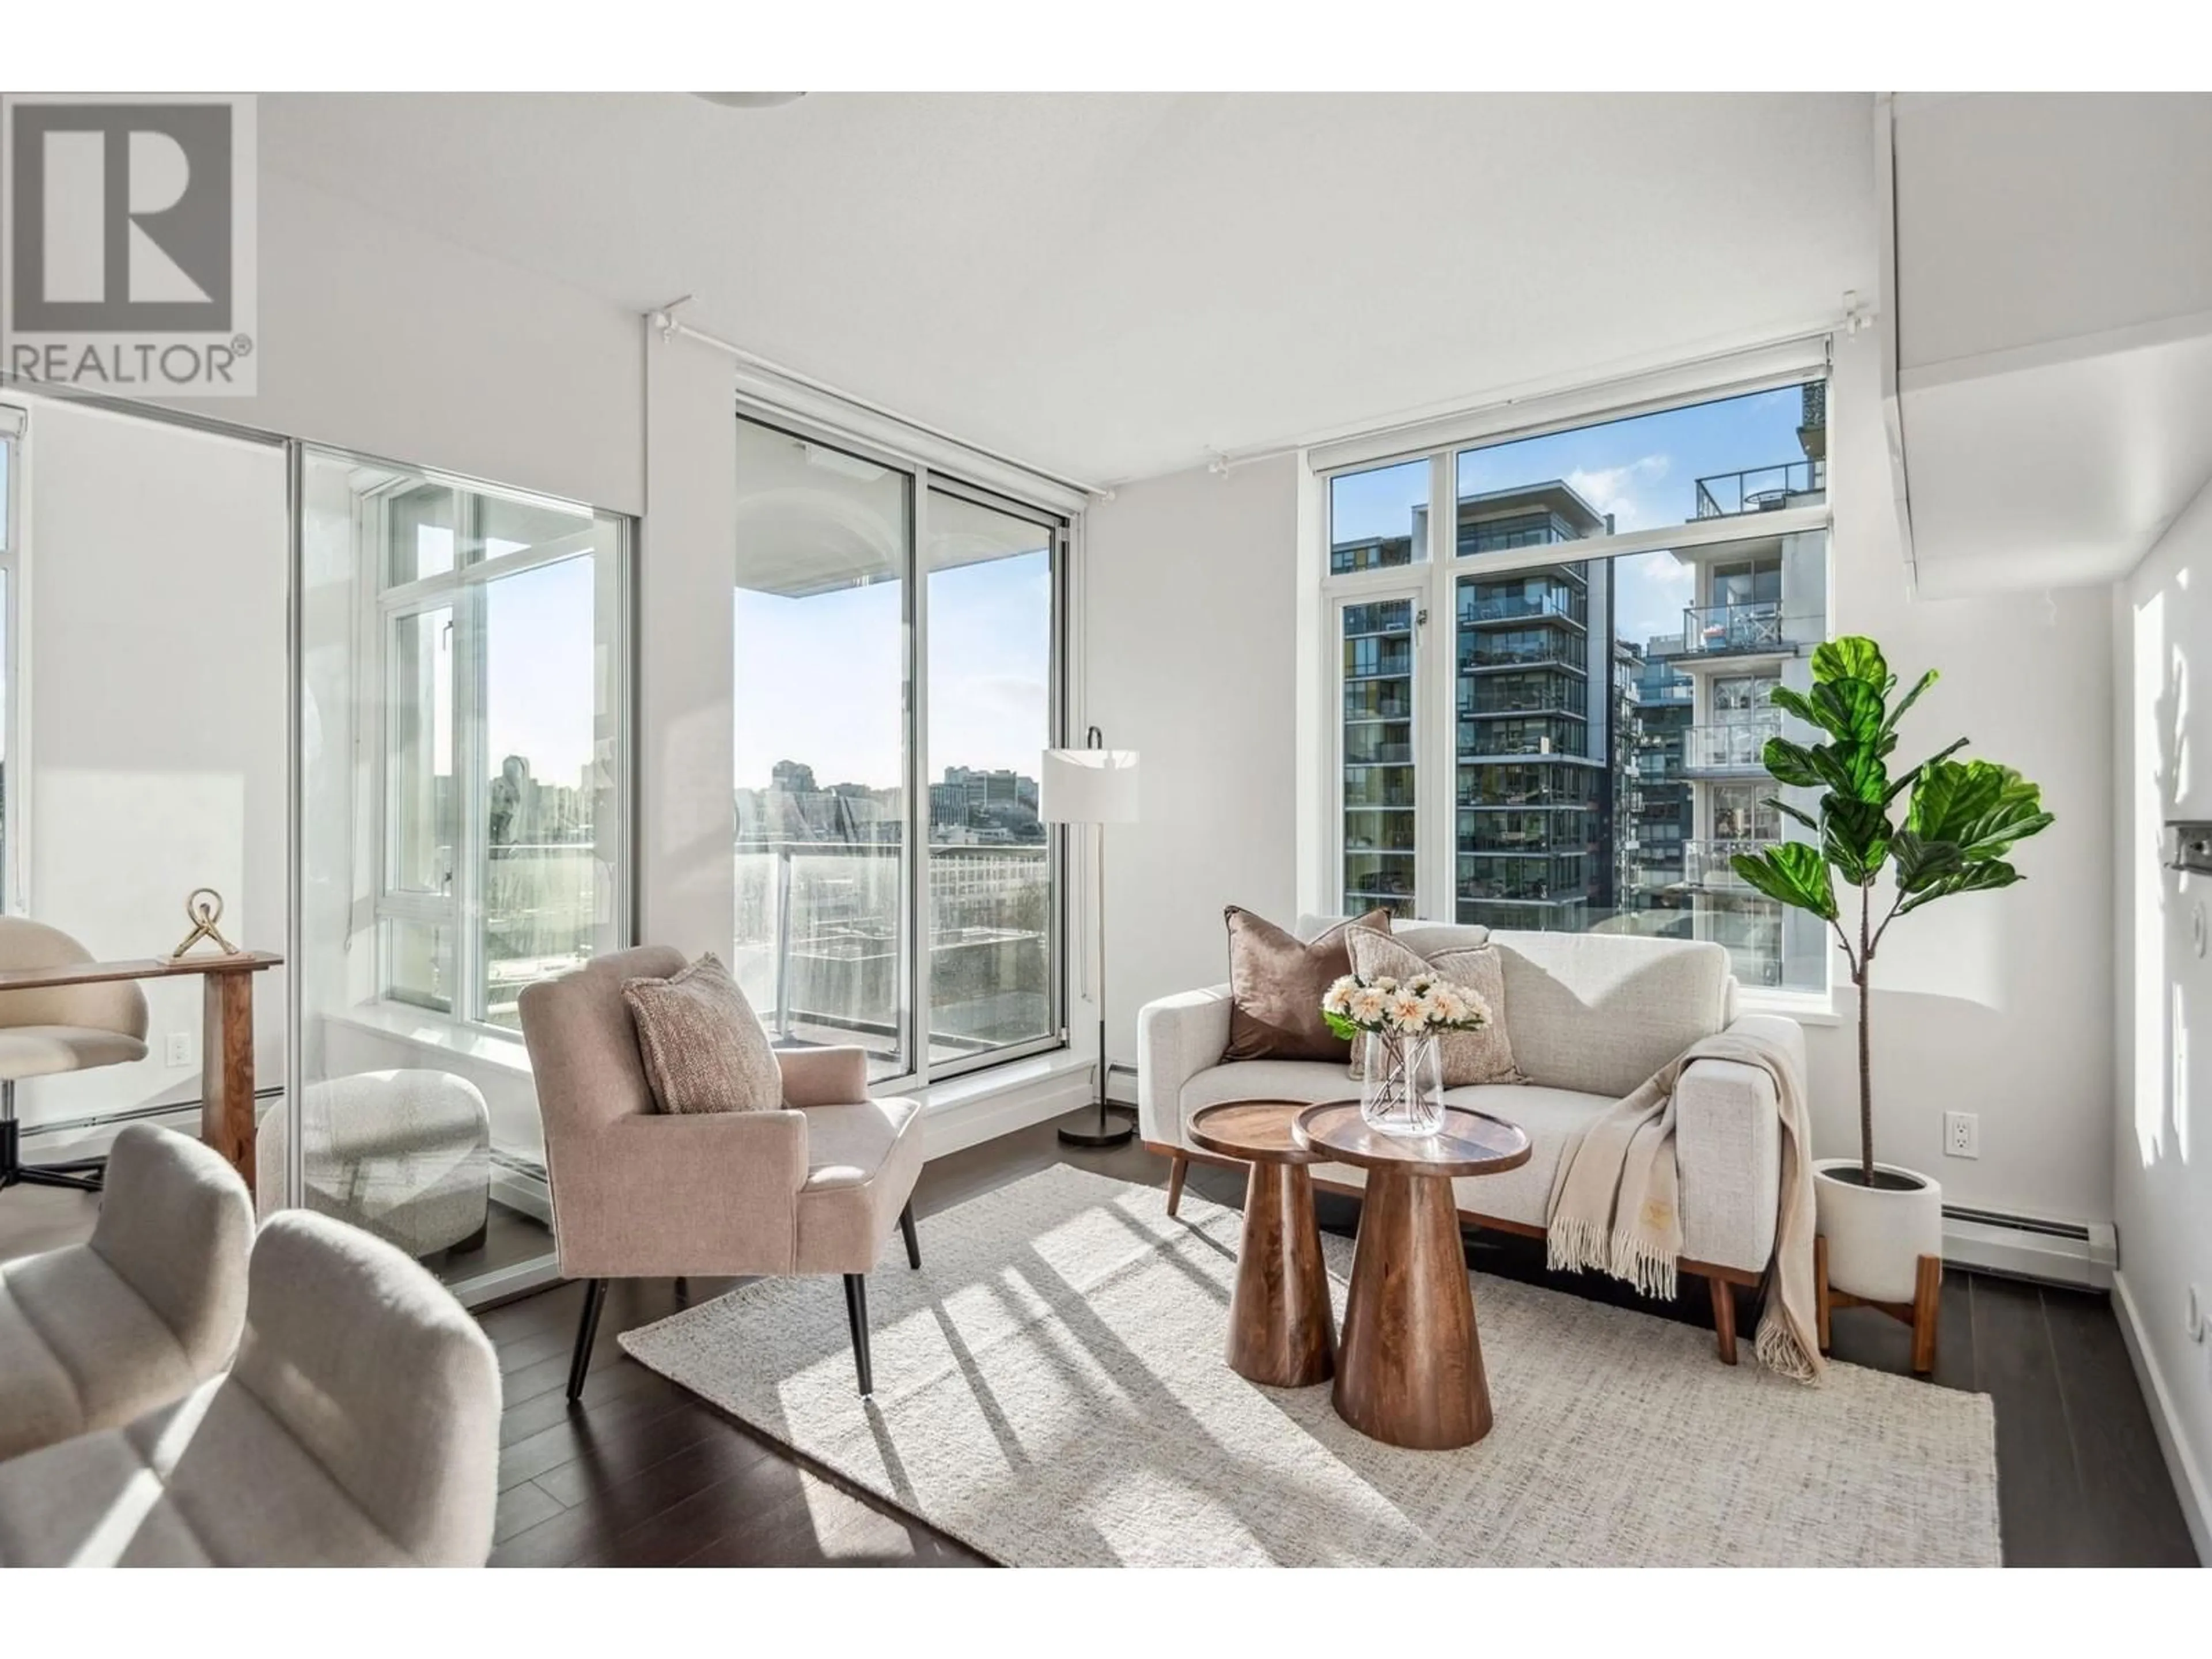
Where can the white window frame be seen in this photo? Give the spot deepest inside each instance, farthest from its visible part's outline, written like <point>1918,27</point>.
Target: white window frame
<point>462,589</point>
<point>1431,579</point>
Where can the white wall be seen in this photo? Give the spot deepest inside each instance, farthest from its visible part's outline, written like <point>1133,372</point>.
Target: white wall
<point>378,338</point>
<point>687,575</point>
<point>156,704</point>
<point>1992,1003</point>
<point>2162,1128</point>
<point>1191,631</point>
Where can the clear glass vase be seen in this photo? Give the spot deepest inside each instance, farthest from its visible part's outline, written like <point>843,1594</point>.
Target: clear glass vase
<point>1401,1085</point>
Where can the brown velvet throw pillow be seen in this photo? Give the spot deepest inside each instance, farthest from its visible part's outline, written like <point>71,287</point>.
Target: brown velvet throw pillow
<point>705,1050</point>
<point>1275,985</point>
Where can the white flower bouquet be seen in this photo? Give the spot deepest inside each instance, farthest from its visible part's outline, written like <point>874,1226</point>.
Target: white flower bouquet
<point>1399,1022</point>
<point>1420,1007</point>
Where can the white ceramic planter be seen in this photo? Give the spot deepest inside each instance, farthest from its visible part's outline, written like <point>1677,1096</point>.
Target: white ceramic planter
<point>1876,1237</point>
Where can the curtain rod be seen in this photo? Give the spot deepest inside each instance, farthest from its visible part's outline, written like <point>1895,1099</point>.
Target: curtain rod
<point>670,325</point>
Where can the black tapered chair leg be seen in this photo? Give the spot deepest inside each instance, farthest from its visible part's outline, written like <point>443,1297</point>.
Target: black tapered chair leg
<point>913,1243</point>
<point>587,1332</point>
<point>856,1310</point>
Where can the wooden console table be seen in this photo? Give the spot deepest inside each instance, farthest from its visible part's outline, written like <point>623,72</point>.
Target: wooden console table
<point>226,1040</point>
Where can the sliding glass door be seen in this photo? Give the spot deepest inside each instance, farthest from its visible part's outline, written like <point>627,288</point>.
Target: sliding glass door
<point>991,714</point>
<point>823,763</point>
<point>895,889</point>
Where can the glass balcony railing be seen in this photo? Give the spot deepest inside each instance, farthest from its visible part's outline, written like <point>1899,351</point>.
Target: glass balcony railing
<point>1360,704</point>
<point>1760,488</point>
<point>1720,629</point>
<point>1376,754</point>
<point>1706,864</point>
<point>1515,607</point>
<point>1389,797</point>
<point>539,914</point>
<point>1497,697</point>
<point>819,939</point>
<point>1494,650</point>
<point>1736,747</point>
<point>1530,833</point>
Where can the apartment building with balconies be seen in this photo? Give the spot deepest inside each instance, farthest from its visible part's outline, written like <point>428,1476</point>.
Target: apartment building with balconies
<point>1536,720</point>
<point>1757,609</point>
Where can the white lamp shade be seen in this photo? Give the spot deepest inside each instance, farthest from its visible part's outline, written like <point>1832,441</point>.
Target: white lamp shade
<point>1088,786</point>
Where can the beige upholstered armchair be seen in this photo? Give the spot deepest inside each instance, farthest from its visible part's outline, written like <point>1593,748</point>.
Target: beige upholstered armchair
<point>813,1189</point>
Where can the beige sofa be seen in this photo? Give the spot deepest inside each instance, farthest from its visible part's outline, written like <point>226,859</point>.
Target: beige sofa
<point>1591,1016</point>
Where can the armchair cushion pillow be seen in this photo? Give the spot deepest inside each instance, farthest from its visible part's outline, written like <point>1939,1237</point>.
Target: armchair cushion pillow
<point>1275,987</point>
<point>1470,1058</point>
<point>704,1049</point>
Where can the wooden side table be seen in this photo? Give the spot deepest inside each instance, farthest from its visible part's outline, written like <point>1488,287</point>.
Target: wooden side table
<point>1281,1331</point>
<point>226,1032</point>
<point>1409,1370</point>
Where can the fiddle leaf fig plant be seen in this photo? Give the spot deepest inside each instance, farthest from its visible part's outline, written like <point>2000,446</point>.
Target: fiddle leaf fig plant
<point>1961,819</point>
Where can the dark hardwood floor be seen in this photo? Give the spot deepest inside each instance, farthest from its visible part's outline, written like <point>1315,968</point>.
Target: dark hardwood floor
<point>641,1473</point>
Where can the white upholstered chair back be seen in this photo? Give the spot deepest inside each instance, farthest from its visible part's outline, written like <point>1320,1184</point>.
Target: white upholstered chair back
<point>107,1006</point>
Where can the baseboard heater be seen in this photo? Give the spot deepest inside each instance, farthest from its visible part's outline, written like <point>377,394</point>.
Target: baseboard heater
<point>2029,1247</point>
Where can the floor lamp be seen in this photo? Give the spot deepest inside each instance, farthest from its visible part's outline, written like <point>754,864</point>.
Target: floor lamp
<point>1095,786</point>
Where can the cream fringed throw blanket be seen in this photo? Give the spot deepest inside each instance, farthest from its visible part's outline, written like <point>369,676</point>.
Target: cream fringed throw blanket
<point>1615,1201</point>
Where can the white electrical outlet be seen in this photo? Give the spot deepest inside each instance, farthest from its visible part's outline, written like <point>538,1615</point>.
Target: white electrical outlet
<point>177,1051</point>
<point>1962,1135</point>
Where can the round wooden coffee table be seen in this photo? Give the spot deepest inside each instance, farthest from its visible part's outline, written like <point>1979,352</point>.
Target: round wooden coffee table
<point>1409,1370</point>
<point>1281,1332</point>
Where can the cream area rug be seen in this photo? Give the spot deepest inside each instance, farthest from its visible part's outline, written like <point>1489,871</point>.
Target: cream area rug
<point>1050,1389</point>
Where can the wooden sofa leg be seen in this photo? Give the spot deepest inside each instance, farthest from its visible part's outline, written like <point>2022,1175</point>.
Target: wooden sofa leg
<point>1177,1170</point>
<point>1723,1317</point>
<point>913,1243</point>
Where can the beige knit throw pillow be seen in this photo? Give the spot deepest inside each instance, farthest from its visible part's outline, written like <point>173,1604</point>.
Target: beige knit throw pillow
<point>705,1050</point>
<point>1482,1055</point>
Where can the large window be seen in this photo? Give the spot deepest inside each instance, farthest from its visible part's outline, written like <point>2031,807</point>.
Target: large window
<point>1607,709</point>
<point>895,637</point>
<point>500,624</point>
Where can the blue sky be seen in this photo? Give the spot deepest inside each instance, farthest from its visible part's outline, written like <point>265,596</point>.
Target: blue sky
<point>539,678</point>
<point>1642,470</point>
<point>818,679</point>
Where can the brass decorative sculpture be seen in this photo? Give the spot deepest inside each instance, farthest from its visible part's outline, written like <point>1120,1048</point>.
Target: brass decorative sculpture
<point>204,908</point>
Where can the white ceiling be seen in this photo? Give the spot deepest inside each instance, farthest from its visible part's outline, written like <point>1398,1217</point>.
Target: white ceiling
<point>1115,285</point>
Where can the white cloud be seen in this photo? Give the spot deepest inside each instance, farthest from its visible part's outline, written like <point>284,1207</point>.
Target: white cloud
<point>1649,591</point>
<point>1617,489</point>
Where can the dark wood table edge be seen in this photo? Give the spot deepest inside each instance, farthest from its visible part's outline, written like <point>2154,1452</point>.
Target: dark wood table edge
<point>1295,1108</point>
<point>1437,1169</point>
